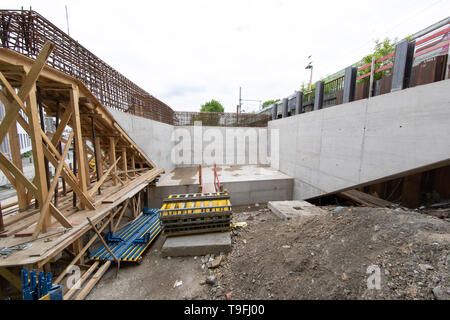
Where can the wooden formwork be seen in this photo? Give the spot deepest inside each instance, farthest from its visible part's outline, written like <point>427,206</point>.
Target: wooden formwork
<point>53,210</point>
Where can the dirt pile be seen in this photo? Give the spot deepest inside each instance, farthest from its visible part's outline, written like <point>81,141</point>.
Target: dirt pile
<point>329,257</point>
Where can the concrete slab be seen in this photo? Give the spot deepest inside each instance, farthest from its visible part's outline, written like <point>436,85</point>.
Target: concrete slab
<point>287,210</point>
<point>197,245</point>
<point>246,184</point>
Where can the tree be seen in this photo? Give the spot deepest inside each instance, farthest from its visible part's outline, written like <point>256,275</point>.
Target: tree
<point>212,106</point>
<point>268,103</point>
<point>382,49</point>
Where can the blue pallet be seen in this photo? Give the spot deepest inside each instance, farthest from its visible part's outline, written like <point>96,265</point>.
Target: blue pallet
<point>131,242</point>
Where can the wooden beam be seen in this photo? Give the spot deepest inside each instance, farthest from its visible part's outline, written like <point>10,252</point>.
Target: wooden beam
<point>97,276</point>
<point>51,192</point>
<point>124,161</point>
<point>74,96</point>
<point>411,192</point>
<point>120,216</point>
<point>99,165</point>
<point>133,166</point>
<point>112,158</point>
<point>8,174</point>
<point>73,183</point>
<point>103,178</point>
<point>62,125</point>
<point>38,159</point>
<point>12,278</point>
<point>19,176</point>
<point>80,282</point>
<point>28,85</point>
<point>82,251</point>
<point>87,163</point>
<point>17,160</point>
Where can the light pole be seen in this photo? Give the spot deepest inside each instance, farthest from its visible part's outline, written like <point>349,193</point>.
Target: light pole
<point>240,101</point>
<point>310,66</point>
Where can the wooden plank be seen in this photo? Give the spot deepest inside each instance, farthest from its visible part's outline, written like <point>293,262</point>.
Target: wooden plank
<point>365,199</point>
<point>80,282</point>
<point>148,176</point>
<point>97,276</point>
<point>411,191</point>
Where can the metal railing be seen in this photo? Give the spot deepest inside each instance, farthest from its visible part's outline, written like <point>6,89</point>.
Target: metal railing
<point>223,119</point>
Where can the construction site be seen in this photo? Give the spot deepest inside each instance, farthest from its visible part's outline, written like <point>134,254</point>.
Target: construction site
<point>340,192</point>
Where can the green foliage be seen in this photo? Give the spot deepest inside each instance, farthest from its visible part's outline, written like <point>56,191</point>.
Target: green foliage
<point>27,154</point>
<point>212,106</point>
<point>268,103</point>
<point>382,49</point>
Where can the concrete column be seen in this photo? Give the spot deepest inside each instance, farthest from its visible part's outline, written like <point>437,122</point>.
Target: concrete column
<point>285,107</point>
<point>274,112</point>
<point>318,101</point>
<point>299,102</point>
<point>350,84</point>
<point>404,56</point>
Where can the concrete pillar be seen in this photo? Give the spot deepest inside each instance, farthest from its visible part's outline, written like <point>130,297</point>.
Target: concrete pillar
<point>404,56</point>
<point>285,108</point>
<point>299,102</point>
<point>274,112</point>
<point>318,101</point>
<point>350,84</point>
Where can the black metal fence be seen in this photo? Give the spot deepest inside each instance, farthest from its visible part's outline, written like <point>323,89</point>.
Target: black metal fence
<point>221,119</point>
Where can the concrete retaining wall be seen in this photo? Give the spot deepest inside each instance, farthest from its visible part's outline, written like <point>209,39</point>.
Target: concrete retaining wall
<point>352,144</point>
<point>152,137</point>
<point>158,140</point>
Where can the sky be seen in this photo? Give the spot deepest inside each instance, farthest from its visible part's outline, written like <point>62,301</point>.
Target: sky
<point>186,53</point>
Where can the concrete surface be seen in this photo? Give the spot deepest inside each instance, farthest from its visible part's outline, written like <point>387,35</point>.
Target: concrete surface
<point>153,137</point>
<point>197,245</point>
<point>357,143</point>
<point>288,210</point>
<point>246,184</point>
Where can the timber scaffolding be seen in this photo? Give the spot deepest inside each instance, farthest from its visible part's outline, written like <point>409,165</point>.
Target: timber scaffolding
<point>53,219</point>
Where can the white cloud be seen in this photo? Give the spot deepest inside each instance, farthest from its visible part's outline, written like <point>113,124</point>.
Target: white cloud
<point>189,52</point>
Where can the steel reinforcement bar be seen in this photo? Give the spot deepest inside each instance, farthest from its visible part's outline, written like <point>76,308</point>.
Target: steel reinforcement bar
<point>26,31</point>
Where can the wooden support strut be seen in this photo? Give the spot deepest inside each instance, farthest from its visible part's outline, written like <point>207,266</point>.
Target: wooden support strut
<point>82,251</point>
<point>105,244</point>
<point>51,191</point>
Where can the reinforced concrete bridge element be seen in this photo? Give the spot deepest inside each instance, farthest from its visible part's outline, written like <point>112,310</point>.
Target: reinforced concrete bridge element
<point>366,141</point>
